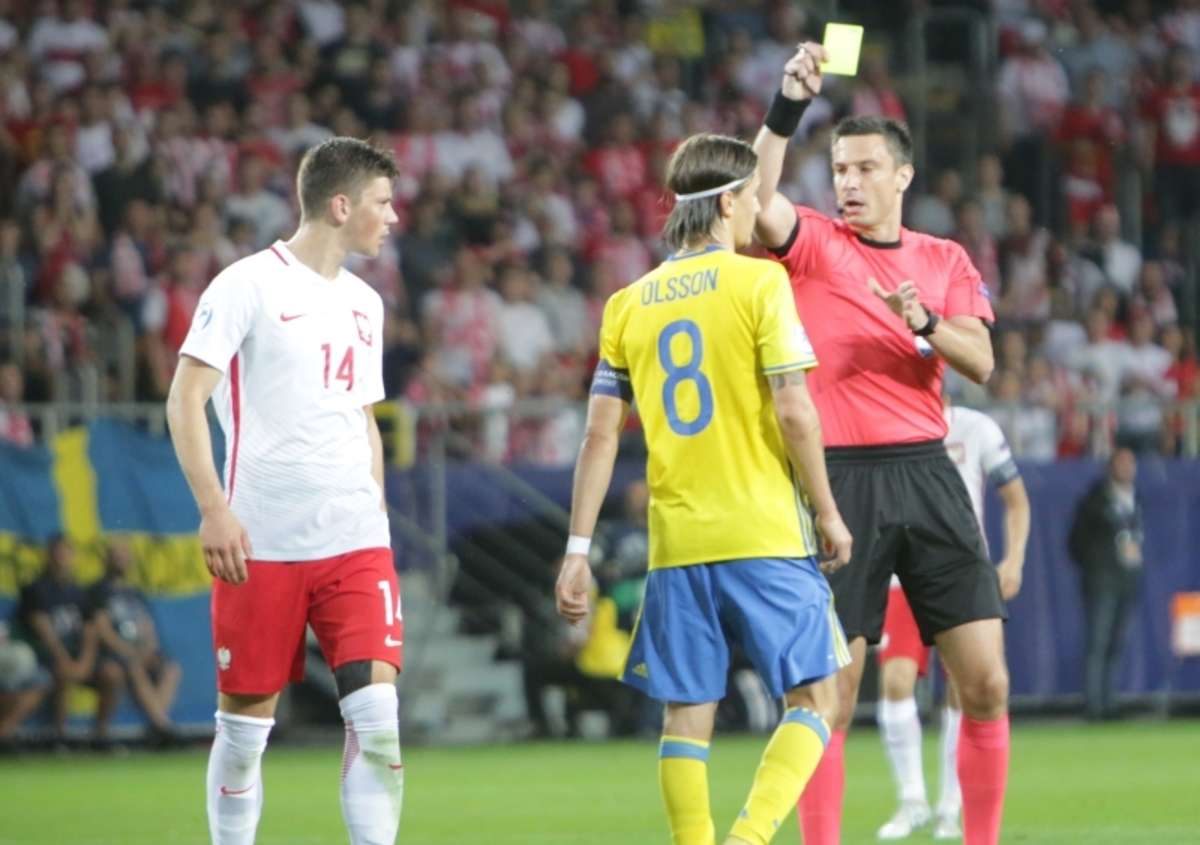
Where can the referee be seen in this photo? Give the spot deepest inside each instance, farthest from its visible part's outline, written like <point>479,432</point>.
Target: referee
<point>886,309</point>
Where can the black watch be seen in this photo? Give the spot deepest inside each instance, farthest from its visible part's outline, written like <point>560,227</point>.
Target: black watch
<point>927,329</point>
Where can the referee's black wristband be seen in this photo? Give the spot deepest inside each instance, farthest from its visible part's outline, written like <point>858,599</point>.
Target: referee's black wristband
<point>784,115</point>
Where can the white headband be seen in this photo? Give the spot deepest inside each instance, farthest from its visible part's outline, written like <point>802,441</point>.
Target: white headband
<point>712,192</point>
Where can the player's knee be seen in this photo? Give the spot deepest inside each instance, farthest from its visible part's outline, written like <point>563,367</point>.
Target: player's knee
<point>896,681</point>
<point>986,694</point>
<point>821,698</point>
<point>351,677</point>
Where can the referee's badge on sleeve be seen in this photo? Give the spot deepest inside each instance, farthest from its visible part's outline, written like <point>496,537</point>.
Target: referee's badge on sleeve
<point>923,347</point>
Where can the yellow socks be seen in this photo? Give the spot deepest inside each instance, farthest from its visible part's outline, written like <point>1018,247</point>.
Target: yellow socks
<point>787,764</point>
<point>683,779</point>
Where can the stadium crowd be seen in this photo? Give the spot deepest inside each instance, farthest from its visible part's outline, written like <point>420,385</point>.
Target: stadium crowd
<point>144,146</point>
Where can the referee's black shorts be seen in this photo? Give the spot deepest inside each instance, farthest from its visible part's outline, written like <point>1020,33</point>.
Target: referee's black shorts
<point>909,512</point>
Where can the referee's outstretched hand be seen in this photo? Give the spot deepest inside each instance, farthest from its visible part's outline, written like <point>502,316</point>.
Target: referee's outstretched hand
<point>904,302</point>
<point>802,73</point>
<point>836,542</point>
<point>574,588</point>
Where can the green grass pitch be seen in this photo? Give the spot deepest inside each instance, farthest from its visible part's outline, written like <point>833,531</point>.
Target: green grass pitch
<point>1069,783</point>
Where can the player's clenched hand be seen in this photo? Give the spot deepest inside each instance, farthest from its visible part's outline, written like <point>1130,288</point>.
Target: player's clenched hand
<point>573,588</point>
<point>904,302</point>
<point>802,73</point>
<point>836,541</point>
<point>226,545</point>
<point>1010,579</point>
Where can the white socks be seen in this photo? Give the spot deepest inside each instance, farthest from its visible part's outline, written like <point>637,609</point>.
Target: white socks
<point>235,792</point>
<point>900,726</point>
<point>951,800</point>
<point>372,774</point>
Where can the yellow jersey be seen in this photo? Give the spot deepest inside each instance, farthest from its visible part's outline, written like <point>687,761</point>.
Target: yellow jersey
<point>692,342</point>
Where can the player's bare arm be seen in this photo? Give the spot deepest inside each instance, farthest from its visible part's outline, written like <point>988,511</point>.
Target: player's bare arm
<point>801,429</point>
<point>225,543</point>
<point>963,341</point>
<point>801,82</point>
<point>593,472</point>
<point>376,440</point>
<point>1016,536</point>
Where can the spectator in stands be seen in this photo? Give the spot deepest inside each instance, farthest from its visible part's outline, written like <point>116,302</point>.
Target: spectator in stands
<point>51,613</point>
<point>1024,265</point>
<point>130,175</point>
<point>23,684</point>
<point>1031,431</point>
<point>1033,91</point>
<point>1106,543</point>
<point>934,212</point>
<point>427,247</point>
<point>299,132</point>
<point>1120,260</point>
<point>60,43</point>
<point>267,212</point>
<point>1172,112</point>
<point>137,254</point>
<point>621,249</point>
<point>1097,47</point>
<point>874,94</point>
<point>1101,362</point>
<point>992,194</point>
<point>1154,295</point>
<point>15,426</point>
<point>461,320</point>
<point>562,301</point>
<point>525,336</point>
<point>128,637</point>
<point>1091,119</point>
<point>1145,387</point>
<point>971,231</point>
<point>1184,372</point>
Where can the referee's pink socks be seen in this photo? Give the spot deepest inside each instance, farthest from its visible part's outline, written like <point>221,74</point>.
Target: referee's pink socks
<point>982,774</point>
<point>820,806</point>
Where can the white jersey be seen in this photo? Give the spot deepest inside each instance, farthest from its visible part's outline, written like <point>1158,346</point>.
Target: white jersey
<point>301,356</point>
<point>980,453</point>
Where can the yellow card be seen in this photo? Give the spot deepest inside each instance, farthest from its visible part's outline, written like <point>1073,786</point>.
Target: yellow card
<point>843,43</point>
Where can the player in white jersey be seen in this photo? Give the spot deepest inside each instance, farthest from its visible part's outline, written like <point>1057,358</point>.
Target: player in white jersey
<point>977,446</point>
<point>289,346</point>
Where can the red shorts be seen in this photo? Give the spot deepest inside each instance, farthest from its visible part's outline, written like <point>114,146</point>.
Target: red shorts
<point>901,638</point>
<point>352,602</point>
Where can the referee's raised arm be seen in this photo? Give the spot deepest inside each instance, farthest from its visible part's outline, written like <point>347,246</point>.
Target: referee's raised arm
<point>801,82</point>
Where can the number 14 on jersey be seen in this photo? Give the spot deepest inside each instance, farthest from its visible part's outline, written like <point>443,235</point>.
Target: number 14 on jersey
<point>345,370</point>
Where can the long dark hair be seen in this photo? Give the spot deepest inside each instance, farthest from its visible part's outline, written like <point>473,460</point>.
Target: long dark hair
<point>701,163</point>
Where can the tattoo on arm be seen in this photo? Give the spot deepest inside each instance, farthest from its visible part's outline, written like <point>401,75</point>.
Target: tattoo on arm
<point>781,380</point>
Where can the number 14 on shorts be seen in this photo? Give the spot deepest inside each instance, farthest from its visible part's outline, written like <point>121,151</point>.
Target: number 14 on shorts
<point>393,614</point>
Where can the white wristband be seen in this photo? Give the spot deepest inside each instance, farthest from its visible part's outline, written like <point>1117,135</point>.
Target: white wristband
<point>577,545</point>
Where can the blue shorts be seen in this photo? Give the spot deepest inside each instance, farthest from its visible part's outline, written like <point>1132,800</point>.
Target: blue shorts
<point>778,610</point>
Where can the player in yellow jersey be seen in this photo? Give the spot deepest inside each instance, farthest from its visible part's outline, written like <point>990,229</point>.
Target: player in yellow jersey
<point>710,346</point>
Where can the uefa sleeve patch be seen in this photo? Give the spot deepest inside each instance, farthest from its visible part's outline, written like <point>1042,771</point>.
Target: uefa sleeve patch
<point>609,381</point>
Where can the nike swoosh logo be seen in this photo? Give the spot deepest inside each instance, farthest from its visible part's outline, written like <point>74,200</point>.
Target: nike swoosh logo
<point>225,790</point>
<point>395,766</point>
<point>287,318</point>
<point>390,643</point>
